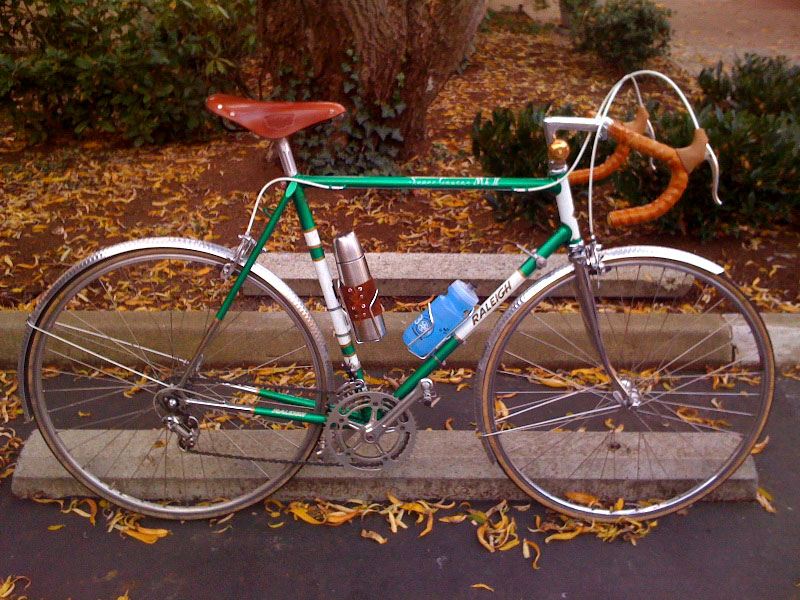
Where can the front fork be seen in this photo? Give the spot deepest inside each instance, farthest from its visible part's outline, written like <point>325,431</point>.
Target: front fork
<point>587,260</point>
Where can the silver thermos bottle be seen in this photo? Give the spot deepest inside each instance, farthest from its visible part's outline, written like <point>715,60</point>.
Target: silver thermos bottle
<point>357,290</point>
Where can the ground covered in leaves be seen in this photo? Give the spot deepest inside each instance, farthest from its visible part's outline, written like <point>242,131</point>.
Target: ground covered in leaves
<point>66,199</point>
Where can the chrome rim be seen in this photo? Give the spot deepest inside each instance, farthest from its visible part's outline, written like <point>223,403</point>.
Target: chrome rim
<point>693,357</point>
<point>105,355</point>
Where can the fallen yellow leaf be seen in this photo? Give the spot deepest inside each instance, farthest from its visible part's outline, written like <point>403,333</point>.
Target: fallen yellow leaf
<point>373,535</point>
<point>765,499</point>
<point>482,537</point>
<point>527,554</point>
<point>482,586</point>
<point>582,498</point>
<point>453,519</point>
<point>567,535</point>
<point>142,537</point>
<point>428,526</point>
<point>759,447</point>
<point>8,585</point>
<point>509,545</point>
<point>301,512</point>
<point>393,499</point>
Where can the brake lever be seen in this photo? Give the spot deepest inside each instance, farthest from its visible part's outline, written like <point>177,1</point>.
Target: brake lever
<point>712,161</point>
<point>651,133</point>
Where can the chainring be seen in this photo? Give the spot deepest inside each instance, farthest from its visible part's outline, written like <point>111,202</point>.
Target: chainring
<point>351,441</point>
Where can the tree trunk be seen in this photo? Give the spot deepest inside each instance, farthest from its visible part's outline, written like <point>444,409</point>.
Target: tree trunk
<point>385,60</point>
<point>566,11</point>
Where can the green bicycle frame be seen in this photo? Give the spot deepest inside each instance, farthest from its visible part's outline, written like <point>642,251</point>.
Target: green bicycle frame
<point>301,406</point>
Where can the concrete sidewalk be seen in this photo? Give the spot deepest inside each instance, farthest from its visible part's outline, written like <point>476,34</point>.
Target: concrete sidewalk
<point>706,32</point>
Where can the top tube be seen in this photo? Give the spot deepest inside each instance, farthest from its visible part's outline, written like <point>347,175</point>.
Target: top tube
<point>511,184</point>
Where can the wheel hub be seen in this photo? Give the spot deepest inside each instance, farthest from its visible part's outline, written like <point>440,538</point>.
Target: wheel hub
<point>632,397</point>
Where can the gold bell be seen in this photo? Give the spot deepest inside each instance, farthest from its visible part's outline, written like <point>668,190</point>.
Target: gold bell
<point>558,151</point>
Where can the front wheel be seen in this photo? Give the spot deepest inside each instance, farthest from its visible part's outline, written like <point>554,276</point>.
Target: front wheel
<point>687,345</point>
<point>103,367</point>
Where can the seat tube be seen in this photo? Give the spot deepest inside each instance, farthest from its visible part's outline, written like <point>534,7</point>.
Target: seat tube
<point>341,326</point>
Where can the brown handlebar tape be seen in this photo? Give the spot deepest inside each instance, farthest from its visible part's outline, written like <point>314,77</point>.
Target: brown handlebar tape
<point>681,162</point>
<point>618,157</point>
<point>358,300</point>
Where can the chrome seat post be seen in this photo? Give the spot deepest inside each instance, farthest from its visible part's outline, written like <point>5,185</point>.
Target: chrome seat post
<point>287,159</point>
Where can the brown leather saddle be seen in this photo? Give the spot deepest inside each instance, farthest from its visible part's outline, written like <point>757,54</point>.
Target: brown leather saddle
<point>272,120</point>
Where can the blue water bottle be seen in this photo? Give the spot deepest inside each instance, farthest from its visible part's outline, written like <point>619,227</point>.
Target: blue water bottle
<point>441,317</point>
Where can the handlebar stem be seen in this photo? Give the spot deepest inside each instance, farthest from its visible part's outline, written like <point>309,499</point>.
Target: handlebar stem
<point>554,124</point>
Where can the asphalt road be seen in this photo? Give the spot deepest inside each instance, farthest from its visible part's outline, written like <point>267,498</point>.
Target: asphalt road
<point>715,551</point>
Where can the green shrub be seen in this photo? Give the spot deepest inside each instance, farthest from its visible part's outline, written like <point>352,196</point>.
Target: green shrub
<point>573,12</point>
<point>760,84</point>
<point>142,68</point>
<point>512,144</point>
<point>759,156</point>
<point>625,33</point>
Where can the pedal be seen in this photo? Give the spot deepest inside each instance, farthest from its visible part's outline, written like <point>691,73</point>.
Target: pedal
<point>433,401</point>
<point>429,397</point>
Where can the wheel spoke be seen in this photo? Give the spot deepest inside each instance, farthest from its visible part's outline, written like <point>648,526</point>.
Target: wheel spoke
<point>664,325</point>
<point>113,343</point>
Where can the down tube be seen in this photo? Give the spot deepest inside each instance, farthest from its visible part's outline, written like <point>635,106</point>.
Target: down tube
<point>562,235</point>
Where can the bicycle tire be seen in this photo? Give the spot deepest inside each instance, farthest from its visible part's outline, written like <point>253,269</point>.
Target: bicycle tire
<point>681,335</point>
<point>117,328</point>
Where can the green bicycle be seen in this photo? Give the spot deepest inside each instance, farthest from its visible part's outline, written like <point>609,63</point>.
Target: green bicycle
<point>182,379</point>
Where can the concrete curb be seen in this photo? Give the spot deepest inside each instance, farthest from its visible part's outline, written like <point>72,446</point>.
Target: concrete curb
<point>408,274</point>
<point>443,464</point>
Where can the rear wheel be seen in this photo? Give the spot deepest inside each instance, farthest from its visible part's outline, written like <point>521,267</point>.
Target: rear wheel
<point>688,346</point>
<point>103,364</point>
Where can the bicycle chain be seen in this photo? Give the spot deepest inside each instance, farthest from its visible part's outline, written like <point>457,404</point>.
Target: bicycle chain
<point>280,461</point>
